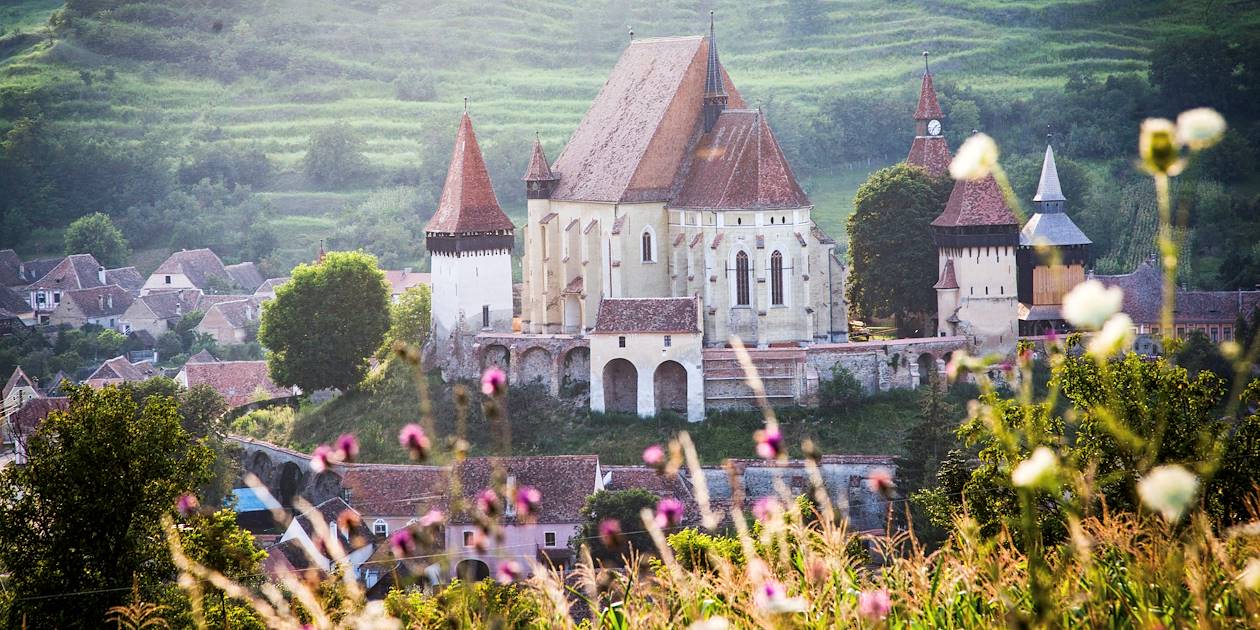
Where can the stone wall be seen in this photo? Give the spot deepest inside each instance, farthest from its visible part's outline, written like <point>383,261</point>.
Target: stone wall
<point>885,365</point>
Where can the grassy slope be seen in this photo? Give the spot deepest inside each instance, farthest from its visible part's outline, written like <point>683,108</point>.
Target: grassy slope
<point>534,65</point>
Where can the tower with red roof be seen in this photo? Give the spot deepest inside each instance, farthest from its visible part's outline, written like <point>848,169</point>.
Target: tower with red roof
<point>929,150</point>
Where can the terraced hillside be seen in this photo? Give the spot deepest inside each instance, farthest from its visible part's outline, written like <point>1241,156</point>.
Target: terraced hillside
<point>265,73</point>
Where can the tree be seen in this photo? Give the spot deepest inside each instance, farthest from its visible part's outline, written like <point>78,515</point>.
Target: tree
<point>409,318</point>
<point>95,234</point>
<point>324,323</point>
<point>624,506</point>
<point>84,513</point>
<point>841,390</point>
<point>1197,353</point>
<point>216,542</point>
<point>891,252</point>
<point>334,156</point>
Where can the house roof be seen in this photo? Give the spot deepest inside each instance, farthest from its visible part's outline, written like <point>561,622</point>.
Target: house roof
<point>1051,228</point>
<point>382,490</point>
<point>27,418</point>
<point>401,279</point>
<point>564,481</point>
<point>11,301</point>
<point>203,356</point>
<point>634,137</point>
<point>103,301</point>
<point>468,203</point>
<point>38,268</point>
<point>143,338</point>
<point>198,265</point>
<point>171,304</point>
<point>1048,188</point>
<point>10,269</point>
<point>928,107</point>
<point>269,286</point>
<point>327,512</point>
<point>931,153</point>
<point>975,203</point>
<point>236,381</point>
<point>77,271</point>
<point>238,313</point>
<point>948,279</point>
<point>120,369</point>
<point>648,315</point>
<point>1143,299</point>
<point>644,478</point>
<point>538,170</point>
<point>19,378</point>
<point>125,277</point>
<point>245,276</point>
<point>739,164</point>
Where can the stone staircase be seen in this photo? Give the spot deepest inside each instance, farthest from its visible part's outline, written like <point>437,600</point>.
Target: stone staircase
<point>784,372</point>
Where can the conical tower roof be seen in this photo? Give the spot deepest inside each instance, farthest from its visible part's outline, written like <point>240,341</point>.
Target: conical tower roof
<point>713,69</point>
<point>538,170</point>
<point>1048,189</point>
<point>468,204</point>
<point>975,203</point>
<point>928,107</point>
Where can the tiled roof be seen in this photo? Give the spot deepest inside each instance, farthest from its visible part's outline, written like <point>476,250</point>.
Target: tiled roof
<point>27,418</point>
<point>467,204</point>
<point>1051,228</point>
<point>382,490</point>
<point>238,313</point>
<point>269,286</point>
<point>77,271</point>
<point>236,381</point>
<point>648,315</point>
<point>327,512</point>
<point>198,265</point>
<point>538,170</point>
<point>171,304</point>
<point>204,302</point>
<point>125,277</point>
<point>931,153</point>
<point>635,135</point>
<point>10,269</point>
<point>1143,299</point>
<point>975,203</point>
<point>400,280</point>
<point>100,301</point>
<point>142,339</point>
<point>203,356</point>
<point>565,481</point>
<point>36,269</point>
<point>245,276</point>
<point>1048,188</point>
<point>19,378</point>
<point>948,280</point>
<point>928,107</point>
<point>739,164</point>
<point>644,478</point>
<point>11,301</point>
<point>120,369</point>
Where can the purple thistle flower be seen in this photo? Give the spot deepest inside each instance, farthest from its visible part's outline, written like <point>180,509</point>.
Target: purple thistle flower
<point>321,458</point>
<point>669,512</point>
<point>508,572</point>
<point>187,505</point>
<point>767,508</point>
<point>402,542</point>
<point>527,500</point>
<point>488,502</point>
<point>432,517</point>
<point>493,381</point>
<point>769,442</point>
<point>610,533</point>
<point>347,447</point>
<point>412,438</point>
<point>874,604</point>
<point>654,456</point>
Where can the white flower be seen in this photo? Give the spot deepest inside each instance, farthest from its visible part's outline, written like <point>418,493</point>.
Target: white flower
<point>716,622</point>
<point>376,617</point>
<point>1037,471</point>
<point>1250,576</point>
<point>1200,128</point>
<point>1089,304</point>
<point>976,158</point>
<point>1168,490</point>
<point>1116,336</point>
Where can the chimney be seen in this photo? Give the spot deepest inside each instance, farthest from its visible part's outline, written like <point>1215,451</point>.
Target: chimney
<point>100,274</point>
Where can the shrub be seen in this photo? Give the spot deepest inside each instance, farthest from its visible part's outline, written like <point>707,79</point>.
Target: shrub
<point>842,390</point>
<point>415,85</point>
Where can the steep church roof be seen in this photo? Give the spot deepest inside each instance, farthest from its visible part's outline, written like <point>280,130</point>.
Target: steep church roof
<point>930,153</point>
<point>976,203</point>
<point>1048,188</point>
<point>633,139</point>
<point>467,204</point>
<point>538,170</point>
<point>739,164</point>
<point>1050,225</point>
<point>928,107</point>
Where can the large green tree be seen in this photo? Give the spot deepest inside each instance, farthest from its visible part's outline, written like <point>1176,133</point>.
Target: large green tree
<point>83,515</point>
<point>96,234</point>
<point>624,506</point>
<point>409,318</point>
<point>334,157</point>
<point>891,253</point>
<point>325,322</point>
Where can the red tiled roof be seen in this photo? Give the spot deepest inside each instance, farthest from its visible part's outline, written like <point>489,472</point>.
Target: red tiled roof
<point>119,369</point>
<point>395,490</point>
<point>198,265</point>
<point>171,304</point>
<point>27,418</point>
<point>928,107</point>
<point>203,356</point>
<point>1143,299</point>
<point>245,276</point>
<point>635,135</point>
<point>468,204</point>
<point>565,481</point>
<point>400,280</point>
<point>648,315</point>
<point>739,164</point>
<point>235,380</point>
<point>100,301</point>
<point>538,170</point>
<point>948,280</point>
<point>12,302</point>
<point>977,202</point>
<point>125,277</point>
<point>644,478</point>
<point>931,154</point>
<point>77,271</point>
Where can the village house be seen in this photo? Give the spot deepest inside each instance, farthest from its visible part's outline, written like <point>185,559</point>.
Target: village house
<point>202,269</point>
<point>18,425</point>
<point>651,350</point>
<point>157,313</point>
<point>72,273</point>
<point>402,280</point>
<point>232,322</point>
<point>297,552</point>
<point>239,382</point>
<point>13,305</point>
<point>1213,313</point>
<point>267,289</point>
<point>17,390</point>
<point>102,306</point>
<point>120,370</point>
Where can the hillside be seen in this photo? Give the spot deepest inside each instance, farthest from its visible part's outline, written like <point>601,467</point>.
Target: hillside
<point>263,75</point>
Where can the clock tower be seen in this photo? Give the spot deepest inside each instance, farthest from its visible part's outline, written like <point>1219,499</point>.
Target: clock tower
<point>929,150</point>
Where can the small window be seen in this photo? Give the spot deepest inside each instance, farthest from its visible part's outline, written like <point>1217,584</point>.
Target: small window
<point>776,278</point>
<point>485,316</point>
<point>621,342</point>
<point>739,221</point>
<point>57,298</point>
<point>380,527</point>
<point>468,538</point>
<point>168,279</point>
<point>345,495</point>
<point>549,539</point>
<point>741,279</point>
<point>669,340</point>
<point>39,298</point>
<point>1215,334</point>
<point>647,246</point>
<point>1227,333</point>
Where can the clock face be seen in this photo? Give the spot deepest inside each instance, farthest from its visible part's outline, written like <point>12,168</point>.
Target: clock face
<point>934,127</point>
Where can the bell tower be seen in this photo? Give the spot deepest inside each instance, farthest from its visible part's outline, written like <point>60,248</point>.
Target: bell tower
<point>929,150</point>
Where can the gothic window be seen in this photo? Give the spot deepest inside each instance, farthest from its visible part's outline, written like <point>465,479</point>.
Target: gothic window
<point>741,279</point>
<point>776,278</point>
<point>647,246</point>
<point>485,316</point>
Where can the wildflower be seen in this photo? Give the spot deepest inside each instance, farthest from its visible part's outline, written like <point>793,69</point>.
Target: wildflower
<point>772,598</point>
<point>493,381</point>
<point>347,520</point>
<point>716,622</point>
<point>1250,576</point>
<point>610,533</point>
<point>479,541</point>
<point>881,482</point>
<point>187,505</point>
<point>432,517</point>
<point>769,442</point>
<point>527,500</point>
<point>321,458</point>
<point>1168,490</point>
<point>1200,128</point>
<point>875,604</point>
<point>654,456</point>
<point>1116,336</point>
<point>402,542</point>
<point>1089,304</point>
<point>1039,470</point>
<point>375,616</point>
<point>508,572</point>
<point>767,508</point>
<point>817,570</point>
<point>412,438</point>
<point>488,502</point>
<point>347,447</point>
<point>1158,148</point>
<point>669,512</point>
<point>976,158</point>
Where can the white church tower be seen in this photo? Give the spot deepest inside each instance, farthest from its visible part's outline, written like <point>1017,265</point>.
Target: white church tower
<point>470,241</point>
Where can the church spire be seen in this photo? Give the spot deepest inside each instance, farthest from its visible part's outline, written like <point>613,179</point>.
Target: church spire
<point>714,92</point>
<point>539,180</point>
<point>929,149</point>
<point>928,108</point>
<point>1049,197</point>
<point>467,204</point>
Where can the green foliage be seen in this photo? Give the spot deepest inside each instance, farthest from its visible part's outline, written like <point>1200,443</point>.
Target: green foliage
<point>484,604</point>
<point>1197,353</point>
<point>409,319</point>
<point>929,440</point>
<point>273,424</point>
<point>696,550</point>
<point>624,506</point>
<point>325,322</point>
<point>228,219</point>
<point>841,390</point>
<point>334,157</point>
<point>388,224</point>
<point>415,85</point>
<point>225,164</point>
<point>95,234</point>
<point>67,530</point>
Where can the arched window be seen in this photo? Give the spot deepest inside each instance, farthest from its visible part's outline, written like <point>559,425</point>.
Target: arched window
<point>380,527</point>
<point>776,278</point>
<point>648,254</point>
<point>741,279</point>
